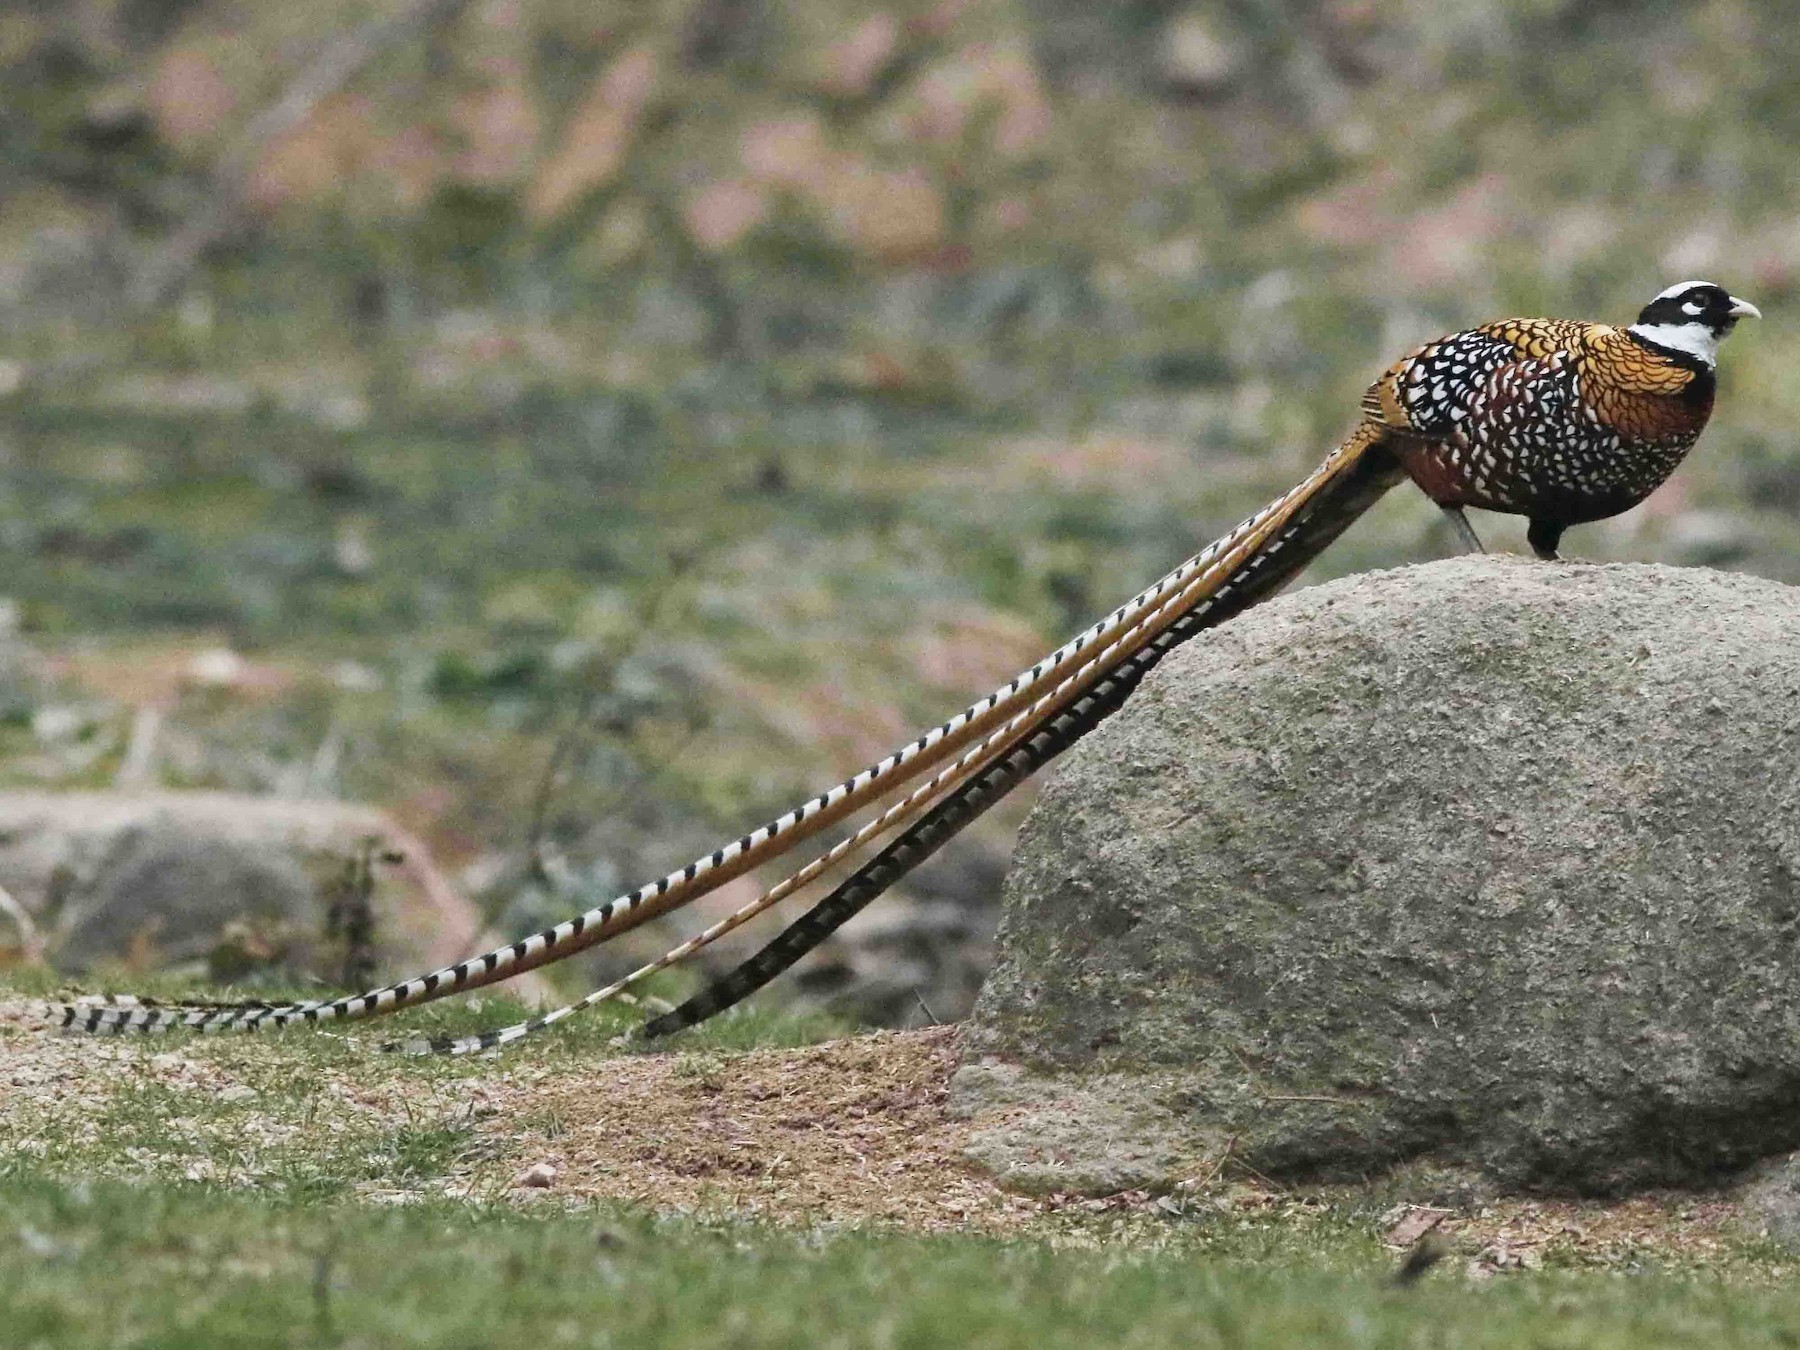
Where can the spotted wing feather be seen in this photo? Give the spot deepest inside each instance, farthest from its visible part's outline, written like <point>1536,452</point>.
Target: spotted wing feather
<point>1429,392</point>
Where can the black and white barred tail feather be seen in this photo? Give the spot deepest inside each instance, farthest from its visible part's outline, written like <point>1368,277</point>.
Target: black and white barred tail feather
<point>942,824</point>
<point>945,781</point>
<point>1366,472</point>
<point>1333,497</point>
<point>703,874</point>
<point>916,801</point>
<point>118,1004</point>
<point>899,813</point>
<point>219,1017</point>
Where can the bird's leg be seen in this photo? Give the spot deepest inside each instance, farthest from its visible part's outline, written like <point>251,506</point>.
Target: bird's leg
<point>1464,532</point>
<point>1544,536</point>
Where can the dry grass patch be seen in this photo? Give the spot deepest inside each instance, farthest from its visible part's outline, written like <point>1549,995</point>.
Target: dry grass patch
<point>853,1131</point>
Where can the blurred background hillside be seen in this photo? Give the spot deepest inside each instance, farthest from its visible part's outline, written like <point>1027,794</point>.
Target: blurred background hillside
<point>385,387</point>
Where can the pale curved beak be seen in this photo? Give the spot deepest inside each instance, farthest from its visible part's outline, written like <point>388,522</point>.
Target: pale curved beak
<point>1743,309</point>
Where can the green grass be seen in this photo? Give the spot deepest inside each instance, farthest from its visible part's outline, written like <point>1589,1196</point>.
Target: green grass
<point>289,1190</point>
<point>110,1265</point>
<point>310,1115</point>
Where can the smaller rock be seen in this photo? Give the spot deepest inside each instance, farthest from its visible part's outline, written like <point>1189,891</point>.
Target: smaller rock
<point>539,1176</point>
<point>225,882</point>
<point>1769,1201</point>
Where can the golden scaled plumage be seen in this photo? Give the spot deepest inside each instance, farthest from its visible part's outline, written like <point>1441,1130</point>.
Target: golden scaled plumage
<point>1614,366</point>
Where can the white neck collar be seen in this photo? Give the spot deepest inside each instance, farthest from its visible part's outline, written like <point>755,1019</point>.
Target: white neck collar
<point>1695,339</point>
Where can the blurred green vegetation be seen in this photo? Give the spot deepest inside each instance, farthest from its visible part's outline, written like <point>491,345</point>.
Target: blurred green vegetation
<point>188,1265</point>
<point>890,341</point>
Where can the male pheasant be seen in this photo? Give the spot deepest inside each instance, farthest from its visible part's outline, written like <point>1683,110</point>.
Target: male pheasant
<point>1553,419</point>
<point>1556,420</point>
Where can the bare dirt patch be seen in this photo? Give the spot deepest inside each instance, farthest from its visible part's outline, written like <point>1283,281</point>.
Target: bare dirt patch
<point>853,1131</point>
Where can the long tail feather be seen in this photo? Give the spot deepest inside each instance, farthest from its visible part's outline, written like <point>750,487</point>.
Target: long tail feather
<point>1363,473</point>
<point>1197,590</point>
<point>1171,611</point>
<point>1302,523</point>
<point>702,875</point>
<point>902,812</point>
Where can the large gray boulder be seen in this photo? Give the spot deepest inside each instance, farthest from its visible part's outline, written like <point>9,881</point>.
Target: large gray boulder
<point>1489,865</point>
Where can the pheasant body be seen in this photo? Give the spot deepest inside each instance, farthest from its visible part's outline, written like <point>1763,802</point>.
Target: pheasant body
<point>1554,419</point>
